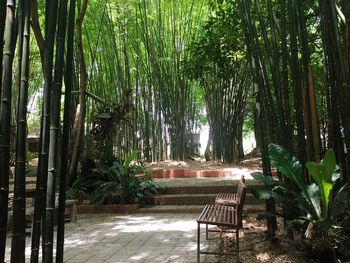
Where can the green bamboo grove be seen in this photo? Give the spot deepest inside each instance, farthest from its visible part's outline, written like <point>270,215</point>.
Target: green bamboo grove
<point>110,77</point>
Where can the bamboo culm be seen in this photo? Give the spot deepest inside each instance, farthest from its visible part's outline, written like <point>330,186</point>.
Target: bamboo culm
<point>69,73</point>
<point>19,205</point>
<point>54,131</point>
<point>5,120</point>
<point>41,184</point>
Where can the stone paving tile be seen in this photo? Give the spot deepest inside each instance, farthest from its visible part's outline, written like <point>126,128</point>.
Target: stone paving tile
<point>141,238</point>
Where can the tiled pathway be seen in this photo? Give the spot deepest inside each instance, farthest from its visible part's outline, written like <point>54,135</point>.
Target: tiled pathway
<point>130,238</point>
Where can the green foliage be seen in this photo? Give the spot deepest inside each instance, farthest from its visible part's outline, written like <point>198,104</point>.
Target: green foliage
<point>290,167</point>
<point>307,200</point>
<point>215,62</point>
<point>118,183</point>
<point>322,174</point>
<point>78,190</point>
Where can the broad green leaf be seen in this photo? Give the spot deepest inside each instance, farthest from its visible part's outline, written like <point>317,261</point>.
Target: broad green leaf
<point>329,161</point>
<point>323,179</point>
<point>267,180</point>
<point>339,203</point>
<point>262,194</point>
<point>314,195</point>
<point>287,164</point>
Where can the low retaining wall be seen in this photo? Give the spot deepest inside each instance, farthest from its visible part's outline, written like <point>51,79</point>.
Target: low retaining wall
<point>113,209</point>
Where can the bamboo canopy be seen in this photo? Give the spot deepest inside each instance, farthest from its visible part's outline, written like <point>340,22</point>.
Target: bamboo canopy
<point>101,79</point>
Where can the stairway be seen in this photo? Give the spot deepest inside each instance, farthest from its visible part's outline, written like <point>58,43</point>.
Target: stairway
<point>190,196</point>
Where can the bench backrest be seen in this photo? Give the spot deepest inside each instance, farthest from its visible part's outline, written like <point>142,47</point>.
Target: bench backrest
<point>240,188</point>
<point>241,193</point>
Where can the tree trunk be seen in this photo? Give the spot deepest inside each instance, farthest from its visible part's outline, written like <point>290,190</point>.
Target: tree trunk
<point>82,99</point>
<point>66,131</point>
<point>5,120</point>
<point>35,24</point>
<point>2,32</point>
<point>54,131</point>
<point>41,184</point>
<point>19,205</point>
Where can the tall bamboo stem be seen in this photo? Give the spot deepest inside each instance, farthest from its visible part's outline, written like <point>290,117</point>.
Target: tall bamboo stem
<point>5,120</point>
<point>54,130</point>
<point>19,205</point>
<point>2,32</point>
<point>69,73</point>
<point>41,184</point>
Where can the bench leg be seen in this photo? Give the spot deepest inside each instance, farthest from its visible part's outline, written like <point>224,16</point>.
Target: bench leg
<point>206,232</point>
<point>198,242</point>
<point>237,244</point>
<point>73,213</point>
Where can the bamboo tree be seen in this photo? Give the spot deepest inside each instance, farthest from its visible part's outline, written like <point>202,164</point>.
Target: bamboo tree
<point>18,234</point>
<point>313,137</point>
<point>285,76</point>
<point>41,184</point>
<point>5,120</point>
<point>337,66</point>
<point>35,24</point>
<point>54,131</point>
<point>83,82</point>
<point>296,80</point>
<point>69,73</point>
<point>275,70</point>
<point>251,40</point>
<point>2,32</point>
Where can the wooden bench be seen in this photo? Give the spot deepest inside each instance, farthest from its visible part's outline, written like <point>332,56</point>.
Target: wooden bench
<point>230,199</point>
<point>71,209</point>
<point>227,218</point>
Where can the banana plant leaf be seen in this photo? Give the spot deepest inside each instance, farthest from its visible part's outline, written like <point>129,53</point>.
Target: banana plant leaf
<point>322,173</point>
<point>339,204</point>
<point>290,167</point>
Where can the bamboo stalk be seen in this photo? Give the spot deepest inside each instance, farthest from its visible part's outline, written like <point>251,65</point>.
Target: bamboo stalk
<point>65,136</point>
<point>19,204</point>
<point>41,184</point>
<point>5,120</point>
<point>54,131</point>
<point>296,80</point>
<point>2,32</point>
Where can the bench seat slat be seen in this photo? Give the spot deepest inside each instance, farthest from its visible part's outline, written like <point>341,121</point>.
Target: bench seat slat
<point>217,215</point>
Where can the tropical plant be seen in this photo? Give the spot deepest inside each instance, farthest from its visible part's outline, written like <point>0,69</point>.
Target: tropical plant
<point>118,183</point>
<point>321,206</point>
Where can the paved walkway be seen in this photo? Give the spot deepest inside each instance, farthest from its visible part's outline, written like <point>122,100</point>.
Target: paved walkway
<point>131,238</point>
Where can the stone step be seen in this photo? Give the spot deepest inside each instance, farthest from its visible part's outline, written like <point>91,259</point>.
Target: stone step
<point>29,180</point>
<point>186,173</point>
<point>204,189</point>
<point>192,199</point>
<point>249,208</point>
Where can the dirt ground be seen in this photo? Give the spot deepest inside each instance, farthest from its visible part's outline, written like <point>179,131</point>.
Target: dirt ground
<point>257,248</point>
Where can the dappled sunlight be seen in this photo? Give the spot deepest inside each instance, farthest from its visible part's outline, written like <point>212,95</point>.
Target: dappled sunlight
<point>133,238</point>
<point>158,225</point>
<point>263,257</point>
<point>140,256</point>
<point>237,172</point>
<point>154,238</point>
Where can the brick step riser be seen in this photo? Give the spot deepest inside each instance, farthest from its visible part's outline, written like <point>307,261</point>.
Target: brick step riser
<point>190,200</point>
<point>204,189</point>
